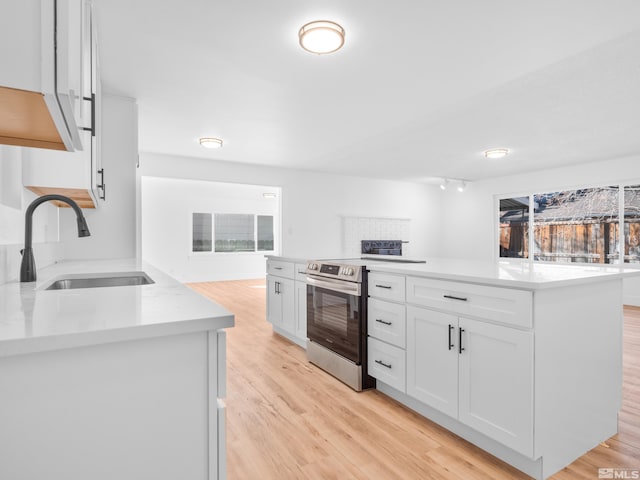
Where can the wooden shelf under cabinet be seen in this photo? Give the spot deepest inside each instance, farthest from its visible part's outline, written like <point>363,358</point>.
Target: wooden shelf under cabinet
<point>25,120</point>
<point>81,196</point>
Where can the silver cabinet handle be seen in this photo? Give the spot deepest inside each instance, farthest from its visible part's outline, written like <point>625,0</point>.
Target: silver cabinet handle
<point>380,362</point>
<point>382,321</point>
<point>384,286</point>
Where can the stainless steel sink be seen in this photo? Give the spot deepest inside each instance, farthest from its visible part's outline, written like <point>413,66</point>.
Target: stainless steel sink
<point>101,280</point>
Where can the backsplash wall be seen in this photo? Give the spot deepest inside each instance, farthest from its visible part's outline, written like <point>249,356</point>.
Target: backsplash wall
<point>356,229</point>
<point>14,200</point>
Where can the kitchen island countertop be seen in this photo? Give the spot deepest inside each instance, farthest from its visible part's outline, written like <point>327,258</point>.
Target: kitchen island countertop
<point>523,275</point>
<point>33,319</point>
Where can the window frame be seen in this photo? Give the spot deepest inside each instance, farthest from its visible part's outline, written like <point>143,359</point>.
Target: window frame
<point>275,223</point>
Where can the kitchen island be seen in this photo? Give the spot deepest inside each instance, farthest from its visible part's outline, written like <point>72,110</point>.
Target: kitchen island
<point>523,360</point>
<point>122,382</point>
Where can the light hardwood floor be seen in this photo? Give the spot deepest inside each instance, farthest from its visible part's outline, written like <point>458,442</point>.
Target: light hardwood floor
<point>287,419</point>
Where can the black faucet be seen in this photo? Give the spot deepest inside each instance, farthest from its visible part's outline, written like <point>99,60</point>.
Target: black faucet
<point>28,267</point>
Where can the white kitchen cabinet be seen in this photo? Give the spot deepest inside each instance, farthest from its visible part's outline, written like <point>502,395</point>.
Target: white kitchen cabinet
<point>287,300</point>
<point>477,372</point>
<point>386,330</point>
<point>432,359</point>
<point>78,174</point>
<point>144,408</point>
<point>41,82</point>
<point>496,383</point>
<point>281,302</point>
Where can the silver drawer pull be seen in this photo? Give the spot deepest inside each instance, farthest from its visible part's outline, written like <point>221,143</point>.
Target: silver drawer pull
<point>380,362</point>
<point>382,321</point>
<point>277,268</point>
<point>452,297</point>
<point>384,286</point>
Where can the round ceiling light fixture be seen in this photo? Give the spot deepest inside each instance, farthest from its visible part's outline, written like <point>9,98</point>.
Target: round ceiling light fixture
<point>496,152</point>
<point>210,142</point>
<point>321,37</point>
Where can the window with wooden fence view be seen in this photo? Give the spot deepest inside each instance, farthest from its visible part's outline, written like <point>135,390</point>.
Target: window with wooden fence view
<point>573,226</point>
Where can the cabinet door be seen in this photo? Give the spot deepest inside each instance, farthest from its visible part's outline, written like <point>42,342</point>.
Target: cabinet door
<point>288,297</point>
<point>432,358</point>
<point>301,311</point>
<point>274,301</point>
<point>496,383</point>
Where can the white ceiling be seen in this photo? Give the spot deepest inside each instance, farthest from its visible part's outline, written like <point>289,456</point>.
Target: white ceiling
<point>419,90</point>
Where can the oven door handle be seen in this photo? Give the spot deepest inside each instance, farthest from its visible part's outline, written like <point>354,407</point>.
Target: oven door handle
<point>350,288</point>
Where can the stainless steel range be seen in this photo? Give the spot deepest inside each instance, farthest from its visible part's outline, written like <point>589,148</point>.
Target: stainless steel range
<point>337,320</point>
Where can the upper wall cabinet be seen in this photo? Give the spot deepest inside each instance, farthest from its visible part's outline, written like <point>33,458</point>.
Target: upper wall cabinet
<point>42,85</point>
<point>77,174</point>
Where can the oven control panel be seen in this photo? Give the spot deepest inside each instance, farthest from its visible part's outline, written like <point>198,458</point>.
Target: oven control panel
<point>338,271</point>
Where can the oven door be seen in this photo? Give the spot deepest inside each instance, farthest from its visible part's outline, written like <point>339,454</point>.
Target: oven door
<point>334,316</point>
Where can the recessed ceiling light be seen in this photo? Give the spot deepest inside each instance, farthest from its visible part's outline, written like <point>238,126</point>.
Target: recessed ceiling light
<point>321,36</point>
<point>269,195</point>
<point>210,142</point>
<point>496,152</point>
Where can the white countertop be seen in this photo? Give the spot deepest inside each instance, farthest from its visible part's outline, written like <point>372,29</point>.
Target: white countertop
<point>33,319</point>
<point>521,275</point>
<point>287,259</point>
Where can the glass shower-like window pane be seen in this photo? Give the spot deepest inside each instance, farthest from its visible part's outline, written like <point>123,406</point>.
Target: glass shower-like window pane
<point>632,224</point>
<point>265,233</point>
<point>201,232</point>
<point>514,227</point>
<point>234,232</point>
<point>577,226</point>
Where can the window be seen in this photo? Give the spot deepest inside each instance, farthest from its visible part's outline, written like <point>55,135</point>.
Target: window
<point>578,226</point>
<point>234,232</point>
<point>573,226</point>
<point>632,224</point>
<point>201,232</point>
<point>265,232</point>
<point>514,227</point>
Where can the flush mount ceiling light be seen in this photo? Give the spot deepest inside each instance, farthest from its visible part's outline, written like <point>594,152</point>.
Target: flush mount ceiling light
<point>210,142</point>
<point>321,36</point>
<point>496,152</point>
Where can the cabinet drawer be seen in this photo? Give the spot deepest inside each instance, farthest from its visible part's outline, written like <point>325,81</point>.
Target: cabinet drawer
<point>386,321</point>
<point>387,286</point>
<point>300,272</point>
<point>387,363</point>
<point>281,269</point>
<point>505,305</point>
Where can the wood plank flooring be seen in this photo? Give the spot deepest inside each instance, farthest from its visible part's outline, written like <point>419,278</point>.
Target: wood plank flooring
<point>287,419</point>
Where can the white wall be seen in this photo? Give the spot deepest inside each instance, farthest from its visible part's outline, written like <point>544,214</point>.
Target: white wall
<point>167,208</point>
<point>113,225</point>
<point>469,218</point>
<point>313,204</point>
<point>14,199</point>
